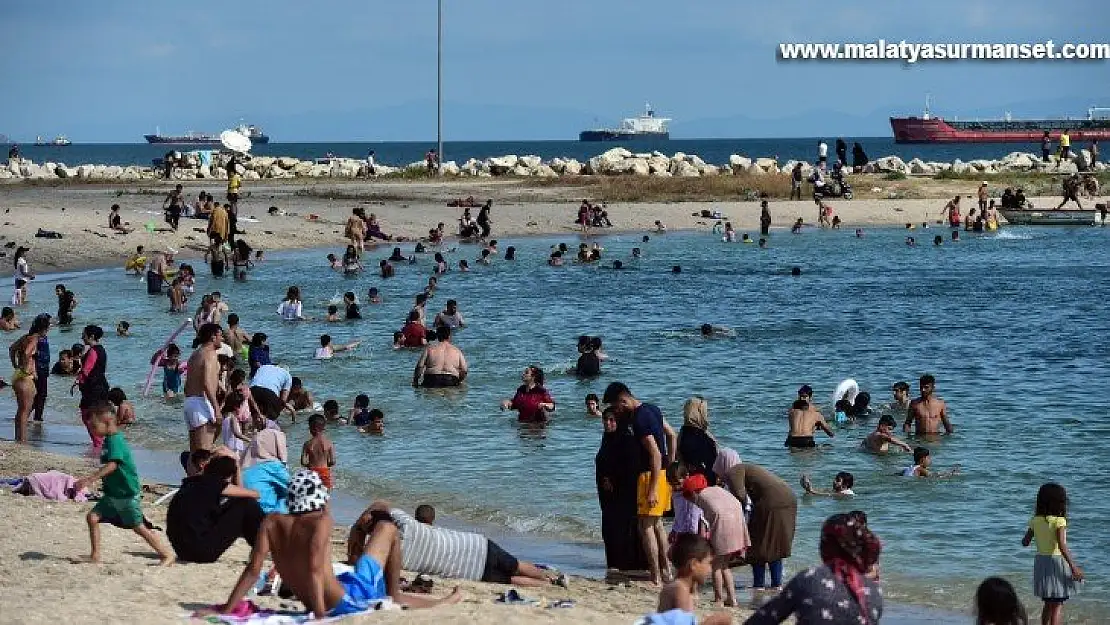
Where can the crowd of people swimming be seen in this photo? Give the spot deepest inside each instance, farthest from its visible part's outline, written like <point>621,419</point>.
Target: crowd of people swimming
<point>727,512</point>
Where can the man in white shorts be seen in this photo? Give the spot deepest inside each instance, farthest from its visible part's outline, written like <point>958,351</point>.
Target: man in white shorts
<point>201,382</point>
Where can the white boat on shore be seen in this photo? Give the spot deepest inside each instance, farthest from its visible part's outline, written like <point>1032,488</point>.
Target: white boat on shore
<point>1050,217</point>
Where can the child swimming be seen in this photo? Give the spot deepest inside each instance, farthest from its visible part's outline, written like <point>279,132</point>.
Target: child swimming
<point>841,486</point>
<point>922,465</point>
<point>879,441</point>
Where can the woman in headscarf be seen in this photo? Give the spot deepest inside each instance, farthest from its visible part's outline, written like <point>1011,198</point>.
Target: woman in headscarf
<point>774,515</point>
<point>264,469</point>
<point>838,592</point>
<point>726,459</point>
<point>697,449</point>
<point>617,474</point>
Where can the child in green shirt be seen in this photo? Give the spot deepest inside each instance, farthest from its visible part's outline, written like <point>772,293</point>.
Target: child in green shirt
<point>119,504</point>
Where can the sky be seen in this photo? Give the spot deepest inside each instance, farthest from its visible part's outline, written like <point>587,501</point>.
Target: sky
<point>365,70</point>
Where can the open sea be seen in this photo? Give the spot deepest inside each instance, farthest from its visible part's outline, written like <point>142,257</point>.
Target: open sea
<point>1012,324</point>
<point>401,153</point>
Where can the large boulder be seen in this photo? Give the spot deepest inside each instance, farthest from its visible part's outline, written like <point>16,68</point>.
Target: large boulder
<point>890,164</point>
<point>738,163</point>
<point>451,168</point>
<point>287,162</point>
<point>918,166</point>
<point>682,169</point>
<point>572,168</point>
<point>521,170</point>
<point>768,165</point>
<point>755,170</point>
<point>636,167</point>
<point>545,171</point>
<point>531,162</point>
<point>301,169</point>
<point>250,175</point>
<point>499,165</point>
<point>959,167</point>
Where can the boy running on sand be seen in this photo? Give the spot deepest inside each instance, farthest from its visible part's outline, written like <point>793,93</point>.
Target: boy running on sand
<point>318,453</point>
<point>692,557</point>
<point>122,491</point>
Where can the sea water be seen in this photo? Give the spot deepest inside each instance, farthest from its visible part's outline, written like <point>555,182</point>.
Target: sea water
<point>1011,324</point>
<point>404,152</point>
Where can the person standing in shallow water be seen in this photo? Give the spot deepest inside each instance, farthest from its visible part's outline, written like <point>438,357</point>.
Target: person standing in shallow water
<point>22,354</point>
<point>616,473</point>
<point>928,412</point>
<point>764,218</point>
<point>653,496</point>
<point>774,517</point>
<point>92,379</point>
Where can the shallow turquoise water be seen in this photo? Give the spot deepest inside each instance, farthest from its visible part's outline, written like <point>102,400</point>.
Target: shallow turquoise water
<point>1011,324</point>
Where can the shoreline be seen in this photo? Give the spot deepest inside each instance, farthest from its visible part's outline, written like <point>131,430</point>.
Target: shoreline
<point>314,216</point>
<point>155,469</point>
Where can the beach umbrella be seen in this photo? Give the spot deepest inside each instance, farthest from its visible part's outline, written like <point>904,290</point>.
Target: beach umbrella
<point>235,141</point>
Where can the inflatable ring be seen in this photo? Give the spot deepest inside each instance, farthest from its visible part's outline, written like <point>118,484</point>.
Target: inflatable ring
<point>135,263</point>
<point>848,389</point>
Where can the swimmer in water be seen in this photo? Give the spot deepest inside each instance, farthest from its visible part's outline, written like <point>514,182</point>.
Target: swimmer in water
<point>804,421</point>
<point>372,296</point>
<point>797,228</point>
<point>660,227</point>
<point>464,266</point>
<point>485,258</point>
<point>795,271</point>
<point>556,259</point>
<point>763,244</point>
<point>859,233</point>
<point>938,240</point>
<point>709,331</point>
<point>593,405</point>
<point>879,441</point>
<point>841,486</point>
<point>900,406</point>
<point>618,265</point>
<point>910,242</point>
<point>923,464</point>
<point>637,253</point>
<point>123,329</point>
<point>730,233</point>
<point>746,238</point>
<point>676,269</point>
<point>333,314</point>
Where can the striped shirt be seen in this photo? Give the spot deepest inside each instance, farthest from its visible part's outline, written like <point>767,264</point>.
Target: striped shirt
<point>437,551</point>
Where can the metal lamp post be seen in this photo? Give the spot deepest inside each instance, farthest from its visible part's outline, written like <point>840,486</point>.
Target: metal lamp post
<point>439,88</point>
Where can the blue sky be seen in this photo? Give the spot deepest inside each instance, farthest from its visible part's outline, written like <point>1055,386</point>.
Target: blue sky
<point>112,70</point>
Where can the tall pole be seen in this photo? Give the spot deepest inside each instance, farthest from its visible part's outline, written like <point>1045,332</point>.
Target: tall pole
<point>439,88</point>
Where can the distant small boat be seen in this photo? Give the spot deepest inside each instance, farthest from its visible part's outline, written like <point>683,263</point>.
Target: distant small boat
<point>1049,217</point>
<point>59,141</point>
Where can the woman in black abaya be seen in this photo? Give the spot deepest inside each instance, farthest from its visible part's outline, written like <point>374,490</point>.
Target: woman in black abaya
<point>616,466</point>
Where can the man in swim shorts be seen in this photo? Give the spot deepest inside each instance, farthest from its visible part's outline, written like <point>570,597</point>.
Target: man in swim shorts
<point>201,384</point>
<point>441,364</point>
<point>928,412</point>
<point>659,443</point>
<point>299,543</point>
<point>804,420</point>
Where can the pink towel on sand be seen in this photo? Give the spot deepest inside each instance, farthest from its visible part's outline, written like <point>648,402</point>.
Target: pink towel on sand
<point>56,486</point>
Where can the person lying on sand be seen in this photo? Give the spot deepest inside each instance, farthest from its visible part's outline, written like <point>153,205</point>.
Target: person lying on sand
<point>300,545</point>
<point>449,553</point>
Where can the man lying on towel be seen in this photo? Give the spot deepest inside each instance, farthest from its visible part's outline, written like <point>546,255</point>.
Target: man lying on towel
<point>300,545</point>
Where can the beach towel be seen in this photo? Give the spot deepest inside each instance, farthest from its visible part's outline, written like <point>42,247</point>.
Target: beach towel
<point>671,617</point>
<point>247,613</point>
<point>271,480</point>
<point>55,486</point>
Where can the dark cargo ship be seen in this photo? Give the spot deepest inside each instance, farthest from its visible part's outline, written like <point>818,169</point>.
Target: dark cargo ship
<point>930,129</point>
<point>254,133</point>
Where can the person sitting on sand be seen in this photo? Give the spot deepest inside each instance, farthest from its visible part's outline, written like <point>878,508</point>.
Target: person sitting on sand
<point>692,557</point>
<point>115,221</point>
<point>432,550</point>
<point>841,486</point>
<point>211,510</point>
<point>299,543</point>
<point>804,420</point>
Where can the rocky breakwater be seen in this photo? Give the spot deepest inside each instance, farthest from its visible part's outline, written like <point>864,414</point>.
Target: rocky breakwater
<point>614,162</point>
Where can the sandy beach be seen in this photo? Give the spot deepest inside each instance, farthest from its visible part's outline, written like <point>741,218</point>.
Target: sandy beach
<point>405,208</point>
<point>43,541</point>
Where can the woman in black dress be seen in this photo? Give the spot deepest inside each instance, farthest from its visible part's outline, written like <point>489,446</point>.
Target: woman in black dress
<point>697,449</point>
<point>617,474</point>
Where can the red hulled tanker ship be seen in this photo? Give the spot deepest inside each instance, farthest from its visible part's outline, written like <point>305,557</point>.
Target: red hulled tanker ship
<point>930,129</point>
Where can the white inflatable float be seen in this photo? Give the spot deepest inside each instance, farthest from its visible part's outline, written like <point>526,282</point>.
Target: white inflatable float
<point>848,389</point>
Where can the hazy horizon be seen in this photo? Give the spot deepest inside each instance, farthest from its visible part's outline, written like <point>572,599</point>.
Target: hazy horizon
<point>112,71</point>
